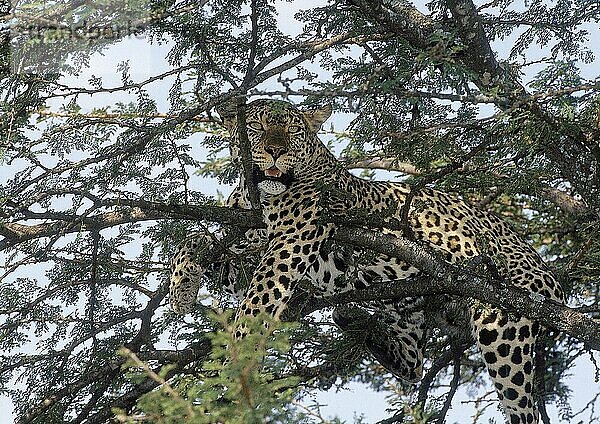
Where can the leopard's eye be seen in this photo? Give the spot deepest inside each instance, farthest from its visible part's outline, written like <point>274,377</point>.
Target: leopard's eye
<point>255,126</point>
<point>294,129</point>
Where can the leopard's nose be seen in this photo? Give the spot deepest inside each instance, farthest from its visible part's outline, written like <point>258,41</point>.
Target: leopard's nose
<point>275,151</point>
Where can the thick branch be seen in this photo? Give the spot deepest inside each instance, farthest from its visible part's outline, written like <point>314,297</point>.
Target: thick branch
<point>443,277</point>
<point>478,55</point>
<point>388,164</point>
<point>449,279</point>
<point>246,155</point>
<point>128,211</point>
<point>401,18</point>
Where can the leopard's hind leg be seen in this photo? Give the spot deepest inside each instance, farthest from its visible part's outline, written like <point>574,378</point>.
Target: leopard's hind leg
<point>395,335</point>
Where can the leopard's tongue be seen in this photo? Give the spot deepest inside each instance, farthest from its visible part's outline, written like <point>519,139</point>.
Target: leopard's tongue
<point>273,172</point>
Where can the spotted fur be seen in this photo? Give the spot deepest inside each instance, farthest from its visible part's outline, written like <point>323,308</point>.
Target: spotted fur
<point>303,180</point>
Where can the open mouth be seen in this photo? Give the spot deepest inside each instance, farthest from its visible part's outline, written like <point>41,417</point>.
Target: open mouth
<point>271,174</point>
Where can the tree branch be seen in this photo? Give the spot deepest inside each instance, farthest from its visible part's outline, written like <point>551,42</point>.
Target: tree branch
<point>127,211</point>
<point>478,55</point>
<point>246,155</point>
<point>573,154</point>
<point>564,201</point>
<point>443,277</point>
<point>457,353</point>
<point>401,18</point>
<point>387,164</point>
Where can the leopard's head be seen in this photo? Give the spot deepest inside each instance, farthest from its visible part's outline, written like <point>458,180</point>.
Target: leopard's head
<point>282,139</point>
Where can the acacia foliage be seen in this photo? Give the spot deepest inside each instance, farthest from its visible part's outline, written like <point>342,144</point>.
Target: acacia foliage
<point>93,201</point>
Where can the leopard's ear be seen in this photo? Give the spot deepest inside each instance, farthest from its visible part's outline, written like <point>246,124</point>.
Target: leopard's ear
<point>228,113</point>
<point>315,118</point>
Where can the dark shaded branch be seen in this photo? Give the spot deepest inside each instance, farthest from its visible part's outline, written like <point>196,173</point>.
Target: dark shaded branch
<point>440,363</point>
<point>478,55</point>
<point>449,279</point>
<point>397,418</point>
<point>456,353</point>
<point>69,389</point>
<point>93,300</point>
<point>246,155</point>
<point>401,18</point>
<point>197,352</point>
<point>103,385</point>
<point>540,381</point>
<point>446,279</point>
<point>253,41</point>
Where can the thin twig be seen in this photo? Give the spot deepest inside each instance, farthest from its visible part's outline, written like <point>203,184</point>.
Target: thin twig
<point>158,379</point>
<point>457,353</point>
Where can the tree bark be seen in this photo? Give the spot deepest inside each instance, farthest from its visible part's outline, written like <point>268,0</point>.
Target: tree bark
<point>443,277</point>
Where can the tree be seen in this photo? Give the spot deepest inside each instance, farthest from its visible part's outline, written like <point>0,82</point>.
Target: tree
<point>95,201</point>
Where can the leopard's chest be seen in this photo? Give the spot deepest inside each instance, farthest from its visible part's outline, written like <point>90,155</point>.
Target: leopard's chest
<point>291,213</point>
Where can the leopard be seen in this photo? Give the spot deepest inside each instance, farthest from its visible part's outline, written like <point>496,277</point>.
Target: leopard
<point>388,320</point>
<point>295,174</point>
